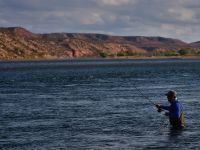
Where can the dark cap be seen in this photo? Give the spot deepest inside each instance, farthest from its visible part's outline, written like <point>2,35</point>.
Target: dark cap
<point>171,93</point>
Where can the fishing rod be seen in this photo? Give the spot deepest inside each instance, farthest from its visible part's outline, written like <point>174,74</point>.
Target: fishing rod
<point>150,101</point>
<point>146,97</point>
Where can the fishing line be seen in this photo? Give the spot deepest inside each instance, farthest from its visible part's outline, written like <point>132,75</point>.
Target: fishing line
<point>150,101</point>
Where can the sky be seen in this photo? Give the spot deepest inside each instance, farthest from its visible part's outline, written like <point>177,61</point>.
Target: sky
<point>167,18</point>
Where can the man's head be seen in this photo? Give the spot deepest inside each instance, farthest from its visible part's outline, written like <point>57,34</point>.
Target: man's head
<point>171,95</point>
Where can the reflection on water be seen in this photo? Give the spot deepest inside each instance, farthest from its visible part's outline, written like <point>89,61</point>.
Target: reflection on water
<point>88,104</point>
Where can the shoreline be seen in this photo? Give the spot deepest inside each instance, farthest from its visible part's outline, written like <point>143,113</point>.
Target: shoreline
<point>99,58</point>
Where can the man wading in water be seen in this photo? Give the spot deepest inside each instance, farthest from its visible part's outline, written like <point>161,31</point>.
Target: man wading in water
<point>175,111</point>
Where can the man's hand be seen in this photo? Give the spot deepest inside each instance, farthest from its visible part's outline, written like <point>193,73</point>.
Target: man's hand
<point>158,107</point>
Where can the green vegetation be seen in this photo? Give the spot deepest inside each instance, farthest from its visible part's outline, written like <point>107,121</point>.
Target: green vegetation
<point>121,54</point>
<point>165,53</point>
<point>99,52</point>
<point>171,53</point>
<point>188,51</point>
<point>128,53</point>
<point>103,54</point>
<point>181,52</point>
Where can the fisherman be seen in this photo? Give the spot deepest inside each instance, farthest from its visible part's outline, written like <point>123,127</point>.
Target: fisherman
<point>174,111</point>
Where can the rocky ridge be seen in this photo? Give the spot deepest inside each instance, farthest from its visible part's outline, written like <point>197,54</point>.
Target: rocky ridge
<point>19,43</point>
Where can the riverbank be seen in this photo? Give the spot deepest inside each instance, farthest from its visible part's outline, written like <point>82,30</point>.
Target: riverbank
<point>107,58</point>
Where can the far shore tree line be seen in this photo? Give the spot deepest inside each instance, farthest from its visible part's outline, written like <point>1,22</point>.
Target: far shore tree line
<point>181,52</point>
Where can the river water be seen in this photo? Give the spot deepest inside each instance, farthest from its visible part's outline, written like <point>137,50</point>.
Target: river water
<point>95,104</point>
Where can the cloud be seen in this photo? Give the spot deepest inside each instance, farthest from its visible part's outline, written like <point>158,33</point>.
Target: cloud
<point>89,18</point>
<point>4,22</point>
<point>176,19</point>
<point>177,29</point>
<point>182,14</point>
<point>114,2</point>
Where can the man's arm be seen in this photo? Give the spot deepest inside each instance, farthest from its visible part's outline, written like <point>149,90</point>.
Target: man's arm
<point>160,107</point>
<point>165,107</point>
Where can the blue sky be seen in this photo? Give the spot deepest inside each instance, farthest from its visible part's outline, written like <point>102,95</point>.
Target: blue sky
<point>168,18</point>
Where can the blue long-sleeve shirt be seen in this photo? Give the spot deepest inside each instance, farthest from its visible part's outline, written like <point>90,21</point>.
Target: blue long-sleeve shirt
<point>174,109</point>
<point>175,112</point>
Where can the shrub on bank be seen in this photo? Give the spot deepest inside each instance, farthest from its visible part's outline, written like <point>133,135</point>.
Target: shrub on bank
<point>188,51</point>
<point>103,54</point>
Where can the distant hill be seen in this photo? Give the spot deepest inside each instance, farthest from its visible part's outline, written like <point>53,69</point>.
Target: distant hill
<point>195,44</point>
<point>19,43</point>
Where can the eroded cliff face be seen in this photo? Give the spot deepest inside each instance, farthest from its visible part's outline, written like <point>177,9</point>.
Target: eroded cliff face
<point>19,43</point>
